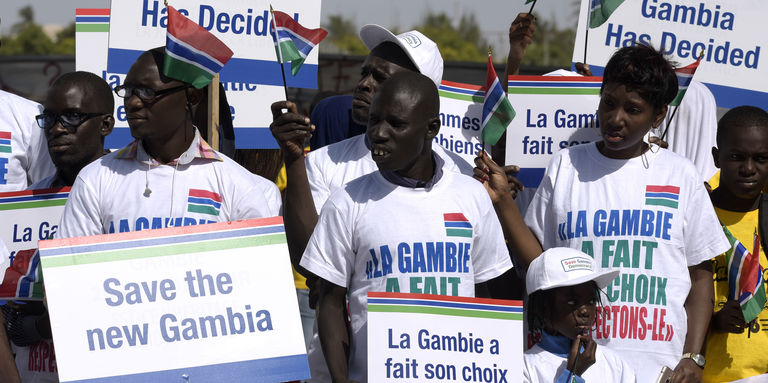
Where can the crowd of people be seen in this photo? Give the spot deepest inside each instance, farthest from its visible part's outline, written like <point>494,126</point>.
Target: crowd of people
<point>621,239</point>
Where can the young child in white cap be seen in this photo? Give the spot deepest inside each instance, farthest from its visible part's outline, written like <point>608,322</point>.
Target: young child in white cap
<point>563,289</point>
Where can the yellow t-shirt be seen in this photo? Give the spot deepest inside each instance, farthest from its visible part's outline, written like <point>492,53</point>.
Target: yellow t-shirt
<point>736,356</point>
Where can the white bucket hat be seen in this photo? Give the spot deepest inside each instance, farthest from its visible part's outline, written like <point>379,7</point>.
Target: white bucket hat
<point>419,48</point>
<point>562,266</point>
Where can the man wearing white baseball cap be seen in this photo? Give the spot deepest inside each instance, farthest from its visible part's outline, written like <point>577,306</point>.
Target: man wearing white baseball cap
<point>563,287</point>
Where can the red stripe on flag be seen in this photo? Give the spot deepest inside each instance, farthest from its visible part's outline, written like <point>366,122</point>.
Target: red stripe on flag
<point>662,189</point>
<point>198,37</point>
<point>204,194</point>
<point>455,217</point>
<point>527,78</point>
<point>5,135</point>
<point>460,85</point>
<point>750,270</point>
<point>445,298</point>
<point>313,35</point>
<point>92,12</point>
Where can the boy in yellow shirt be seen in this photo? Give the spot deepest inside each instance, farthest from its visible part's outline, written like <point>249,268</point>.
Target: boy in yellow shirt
<point>742,156</point>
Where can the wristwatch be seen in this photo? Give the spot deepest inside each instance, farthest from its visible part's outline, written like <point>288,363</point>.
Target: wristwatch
<point>696,358</point>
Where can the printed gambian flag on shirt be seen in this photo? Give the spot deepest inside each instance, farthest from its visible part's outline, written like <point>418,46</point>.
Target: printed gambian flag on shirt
<point>457,225</point>
<point>203,202</point>
<point>5,142</point>
<point>192,54</point>
<point>745,277</point>
<point>662,195</point>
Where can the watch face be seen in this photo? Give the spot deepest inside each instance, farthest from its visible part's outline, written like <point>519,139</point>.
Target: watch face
<point>698,359</point>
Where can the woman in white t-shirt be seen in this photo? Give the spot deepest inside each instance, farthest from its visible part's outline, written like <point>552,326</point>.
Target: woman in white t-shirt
<point>635,208</point>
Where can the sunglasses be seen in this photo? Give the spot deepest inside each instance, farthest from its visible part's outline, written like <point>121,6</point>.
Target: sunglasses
<point>145,94</point>
<point>70,120</point>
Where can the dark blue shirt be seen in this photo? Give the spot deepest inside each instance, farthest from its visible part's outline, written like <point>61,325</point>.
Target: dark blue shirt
<point>332,118</point>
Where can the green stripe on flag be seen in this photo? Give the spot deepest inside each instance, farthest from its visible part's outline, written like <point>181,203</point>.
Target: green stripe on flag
<point>752,308</point>
<point>5,149</point>
<point>444,311</point>
<point>498,122</point>
<point>186,72</point>
<point>91,27</point>
<point>545,90</point>
<point>459,233</point>
<point>661,202</point>
<point>33,204</point>
<point>679,98</point>
<point>202,209</point>
<point>462,97</point>
<point>601,14</point>
<point>161,251</point>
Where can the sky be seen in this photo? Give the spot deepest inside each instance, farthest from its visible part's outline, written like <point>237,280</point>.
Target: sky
<point>494,16</point>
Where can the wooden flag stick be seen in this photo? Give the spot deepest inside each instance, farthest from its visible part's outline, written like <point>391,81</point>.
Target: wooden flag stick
<point>213,112</point>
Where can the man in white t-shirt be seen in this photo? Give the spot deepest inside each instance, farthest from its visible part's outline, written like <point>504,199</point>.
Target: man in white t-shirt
<point>168,176</point>
<point>24,156</point>
<point>76,119</point>
<point>412,226</point>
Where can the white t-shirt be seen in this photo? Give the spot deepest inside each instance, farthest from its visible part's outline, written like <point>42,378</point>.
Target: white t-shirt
<point>542,366</point>
<point>109,194</point>
<point>693,131</point>
<point>373,235</point>
<point>24,157</point>
<point>37,363</point>
<point>648,216</point>
<point>330,167</point>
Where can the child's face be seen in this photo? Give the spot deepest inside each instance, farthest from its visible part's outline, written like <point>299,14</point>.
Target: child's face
<point>573,309</point>
<point>743,161</point>
<point>625,118</point>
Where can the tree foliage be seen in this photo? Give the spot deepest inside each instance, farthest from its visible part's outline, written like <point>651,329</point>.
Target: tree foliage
<point>28,38</point>
<point>551,46</point>
<point>342,33</point>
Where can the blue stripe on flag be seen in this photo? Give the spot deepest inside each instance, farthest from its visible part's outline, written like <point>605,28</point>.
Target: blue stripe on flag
<point>265,72</point>
<point>462,91</point>
<point>34,197</point>
<point>492,101</point>
<point>91,19</point>
<point>5,142</point>
<point>459,305</point>
<point>737,258</point>
<point>301,45</point>
<point>24,286</point>
<point>595,4</point>
<point>662,195</point>
<point>684,81</point>
<point>196,237</point>
<point>204,201</point>
<point>278,369</point>
<point>458,224</point>
<point>182,51</point>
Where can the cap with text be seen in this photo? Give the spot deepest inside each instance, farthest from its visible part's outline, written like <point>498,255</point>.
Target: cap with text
<point>562,266</point>
<point>419,48</point>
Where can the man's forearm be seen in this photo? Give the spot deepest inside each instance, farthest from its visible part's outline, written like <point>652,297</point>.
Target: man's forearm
<point>332,330</point>
<point>699,306</point>
<point>300,214</point>
<point>8,372</point>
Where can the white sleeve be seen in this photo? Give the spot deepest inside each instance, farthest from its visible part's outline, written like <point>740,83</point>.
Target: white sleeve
<point>82,214</point>
<point>260,201</point>
<point>329,253</point>
<point>539,216</point>
<point>39,164</point>
<point>702,234</point>
<point>490,257</point>
<point>317,183</point>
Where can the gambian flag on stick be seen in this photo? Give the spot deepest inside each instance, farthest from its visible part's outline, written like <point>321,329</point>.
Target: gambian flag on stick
<point>601,10</point>
<point>684,77</point>
<point>745,277</point>
<point>192,54</point>
<point>295,41</point>
<point>24,278</point>
<point>497,111</point>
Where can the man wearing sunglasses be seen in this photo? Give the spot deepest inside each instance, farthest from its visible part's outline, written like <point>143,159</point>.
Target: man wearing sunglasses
<point>168,176</point>
<point>76,119</point>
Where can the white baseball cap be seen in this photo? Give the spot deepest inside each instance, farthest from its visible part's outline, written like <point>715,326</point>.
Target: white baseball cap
<point>562,266</point>
<point>419,48</point>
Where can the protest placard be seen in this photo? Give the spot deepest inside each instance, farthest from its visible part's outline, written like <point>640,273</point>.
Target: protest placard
<point>732,67</point>
<point>433,338</point>
<point>29,216</point>
<point>461,111</point>
<point>248,103</point>
<point>201,303</point>
<point>553,112</point>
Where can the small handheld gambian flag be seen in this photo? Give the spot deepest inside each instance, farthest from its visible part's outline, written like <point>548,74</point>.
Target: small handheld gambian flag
<point>601,10</point>
<point>295,41</point>
<point>684,77</point>
<point>497,111</point>
<point>192,54</point>
<point>24,278</point>
<point>745,277</point>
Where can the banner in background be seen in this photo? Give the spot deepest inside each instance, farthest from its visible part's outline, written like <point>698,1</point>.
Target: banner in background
<point>199,303</point>
<point>734,65</point>
<point>553,112</point>
<point>461,111</point>
<point>433,338</point>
